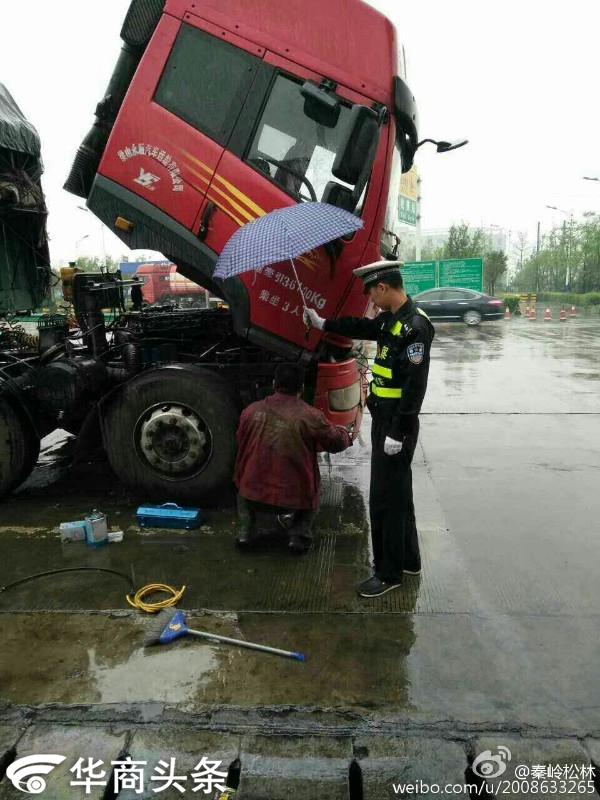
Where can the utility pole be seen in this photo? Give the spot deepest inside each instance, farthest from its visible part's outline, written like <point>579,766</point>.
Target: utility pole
<point>537,248</point>
<point>567,242</point>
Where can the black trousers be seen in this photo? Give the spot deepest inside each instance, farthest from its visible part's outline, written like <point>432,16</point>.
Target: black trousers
<point>391,507</point>
<point>302,521</point>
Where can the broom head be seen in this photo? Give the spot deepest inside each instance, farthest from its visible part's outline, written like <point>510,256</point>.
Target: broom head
<point>168,625</point>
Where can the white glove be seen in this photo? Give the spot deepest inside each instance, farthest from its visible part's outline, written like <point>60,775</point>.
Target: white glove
<point>391,447</point>
<point>311,317</point>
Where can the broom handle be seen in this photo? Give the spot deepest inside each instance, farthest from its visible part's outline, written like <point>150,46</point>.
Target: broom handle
<point>250,645</point>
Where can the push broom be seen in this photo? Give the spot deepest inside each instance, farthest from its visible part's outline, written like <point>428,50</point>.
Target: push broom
<point>170,625</point>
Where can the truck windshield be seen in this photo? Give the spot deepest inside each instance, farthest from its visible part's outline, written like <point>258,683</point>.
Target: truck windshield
<point>295,151</point>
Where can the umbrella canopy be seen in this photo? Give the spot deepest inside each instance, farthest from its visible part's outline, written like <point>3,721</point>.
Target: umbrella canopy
<point>283,234</point>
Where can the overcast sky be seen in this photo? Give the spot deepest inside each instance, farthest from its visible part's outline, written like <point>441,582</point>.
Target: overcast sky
<point>518,79</point>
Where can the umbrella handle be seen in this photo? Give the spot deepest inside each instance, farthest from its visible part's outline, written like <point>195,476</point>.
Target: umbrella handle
<point>299,284</point>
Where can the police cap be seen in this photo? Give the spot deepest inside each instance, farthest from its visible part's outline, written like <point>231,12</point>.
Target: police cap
<point>378,271</point>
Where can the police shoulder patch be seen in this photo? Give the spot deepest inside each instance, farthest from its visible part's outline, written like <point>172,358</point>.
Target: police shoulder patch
<point>416,352</point>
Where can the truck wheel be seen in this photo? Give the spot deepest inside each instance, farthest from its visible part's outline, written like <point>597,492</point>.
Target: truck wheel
<point>19,448</point>
<point>171,433</point>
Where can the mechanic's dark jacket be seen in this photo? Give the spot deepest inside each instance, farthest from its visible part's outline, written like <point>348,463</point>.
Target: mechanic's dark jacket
<point>401,366</point>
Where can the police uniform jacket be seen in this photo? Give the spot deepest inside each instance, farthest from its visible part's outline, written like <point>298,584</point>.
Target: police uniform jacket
<point>401,366</point>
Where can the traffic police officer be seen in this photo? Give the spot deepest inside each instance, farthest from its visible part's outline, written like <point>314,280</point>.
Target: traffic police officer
<point>403,334</point>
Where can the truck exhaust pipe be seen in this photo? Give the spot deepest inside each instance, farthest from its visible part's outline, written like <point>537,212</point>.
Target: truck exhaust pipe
<point>140,23</point>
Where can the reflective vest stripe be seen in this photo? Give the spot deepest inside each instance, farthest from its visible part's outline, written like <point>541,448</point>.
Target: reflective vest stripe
<point>385,372</point>
<point>380,391</point>
<point>396,329</point>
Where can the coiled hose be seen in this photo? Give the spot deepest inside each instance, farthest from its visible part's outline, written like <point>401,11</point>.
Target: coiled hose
<point>151,608</point>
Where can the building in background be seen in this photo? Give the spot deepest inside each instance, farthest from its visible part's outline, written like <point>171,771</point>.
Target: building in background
<point>433,238</point>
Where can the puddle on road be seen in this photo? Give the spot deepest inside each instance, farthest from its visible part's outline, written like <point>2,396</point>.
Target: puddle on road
<point>171,674</point>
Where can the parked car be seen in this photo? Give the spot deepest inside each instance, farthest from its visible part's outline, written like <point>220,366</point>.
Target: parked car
<point>450,303</point>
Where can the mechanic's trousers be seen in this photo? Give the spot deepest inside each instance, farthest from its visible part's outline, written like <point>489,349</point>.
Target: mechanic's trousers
<point>301,523</point>
<point>392,511</point>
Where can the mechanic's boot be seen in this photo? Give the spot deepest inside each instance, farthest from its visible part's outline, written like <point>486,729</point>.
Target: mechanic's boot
<point>246,524</point>
<point>244,539</point>
<point>299,544</point>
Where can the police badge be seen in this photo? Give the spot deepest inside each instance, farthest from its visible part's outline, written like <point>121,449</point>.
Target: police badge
<point>416,352</point>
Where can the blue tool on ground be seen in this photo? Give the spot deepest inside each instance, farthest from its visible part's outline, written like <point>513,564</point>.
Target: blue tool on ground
<point>169,515</point>
<point>170,625</point>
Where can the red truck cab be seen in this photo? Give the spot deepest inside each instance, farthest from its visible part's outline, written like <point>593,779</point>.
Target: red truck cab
<point>217,126</point>
<point>162,283</point>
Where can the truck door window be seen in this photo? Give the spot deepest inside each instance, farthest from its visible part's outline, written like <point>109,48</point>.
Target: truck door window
<point>205,82</point>
<point>291,148</point>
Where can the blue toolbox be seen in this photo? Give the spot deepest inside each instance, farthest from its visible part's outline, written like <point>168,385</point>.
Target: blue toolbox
<point>169,515</point>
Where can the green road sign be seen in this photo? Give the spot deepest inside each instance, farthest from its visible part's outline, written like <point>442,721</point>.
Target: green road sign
<point>407,210</point>
<point>418,276</point>
<point>464,272</point>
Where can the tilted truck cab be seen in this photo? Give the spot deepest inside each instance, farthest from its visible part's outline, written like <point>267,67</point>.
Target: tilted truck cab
<point>217,112</point>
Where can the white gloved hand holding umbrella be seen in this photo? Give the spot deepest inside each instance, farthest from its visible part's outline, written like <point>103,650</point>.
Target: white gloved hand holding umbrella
<point>312,319</point>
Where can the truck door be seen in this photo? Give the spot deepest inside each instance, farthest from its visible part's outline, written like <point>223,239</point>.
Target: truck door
<point>280,156</point>
<point>179,113</point>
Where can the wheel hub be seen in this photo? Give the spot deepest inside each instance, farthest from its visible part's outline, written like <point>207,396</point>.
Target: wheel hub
<point>173,440</point>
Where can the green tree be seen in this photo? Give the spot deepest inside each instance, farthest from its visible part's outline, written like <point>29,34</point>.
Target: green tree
<point>494,267</point>
<point>97,264</point>
<point>464,243</point>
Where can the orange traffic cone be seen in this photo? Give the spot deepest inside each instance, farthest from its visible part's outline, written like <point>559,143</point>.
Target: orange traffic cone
<point>507,313</point>
<point>573,314</point>
<point>527,311</point>
<point>532,312</point>
<point>547,313</point>
<point>563,315</point>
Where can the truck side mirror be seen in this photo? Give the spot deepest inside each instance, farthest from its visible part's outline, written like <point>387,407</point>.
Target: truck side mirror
<point>320,105</point>
<point>356,144</point>
<point>407,122</point>
<point>337,195</point>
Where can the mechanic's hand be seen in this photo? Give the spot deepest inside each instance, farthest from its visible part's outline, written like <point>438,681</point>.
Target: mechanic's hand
<point>391,447</point>
<point>311,317</point>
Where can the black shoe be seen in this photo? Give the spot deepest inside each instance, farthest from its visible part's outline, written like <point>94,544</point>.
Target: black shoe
<point>298,544</point>
<point>285,520</point>
<point>244,539</point>
<point>375,587</point>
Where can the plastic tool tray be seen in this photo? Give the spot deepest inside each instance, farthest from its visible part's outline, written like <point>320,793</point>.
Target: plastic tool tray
<point>169,515</point>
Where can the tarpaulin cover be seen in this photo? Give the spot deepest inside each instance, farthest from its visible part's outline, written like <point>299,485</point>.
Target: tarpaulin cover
<point>24,255</point>
<point>16,133</point>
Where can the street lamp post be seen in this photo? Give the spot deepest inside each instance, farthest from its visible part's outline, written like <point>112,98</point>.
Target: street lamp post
<point>418,225</point>
<point>87,211</point>
<point>77,243</point>
<point>568,240</point>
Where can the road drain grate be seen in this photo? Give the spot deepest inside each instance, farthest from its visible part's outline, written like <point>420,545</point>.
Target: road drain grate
<point>355,781</point>
<point>6,759</point>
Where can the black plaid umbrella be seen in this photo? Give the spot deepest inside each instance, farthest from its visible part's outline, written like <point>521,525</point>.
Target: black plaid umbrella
<point>284,234</point>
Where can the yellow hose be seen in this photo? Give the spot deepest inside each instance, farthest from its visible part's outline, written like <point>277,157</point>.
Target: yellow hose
<point>152,608</point>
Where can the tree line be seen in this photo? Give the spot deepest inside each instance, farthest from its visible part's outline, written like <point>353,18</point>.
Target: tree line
<point>568,259</point>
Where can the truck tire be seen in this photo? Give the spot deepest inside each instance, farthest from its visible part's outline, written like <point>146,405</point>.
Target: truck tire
<point>171,434</point>
<point>19,447</point>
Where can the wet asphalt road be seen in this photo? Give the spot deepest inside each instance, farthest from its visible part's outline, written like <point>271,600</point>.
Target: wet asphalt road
<point>500,634</point>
